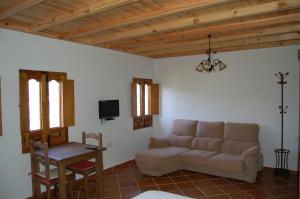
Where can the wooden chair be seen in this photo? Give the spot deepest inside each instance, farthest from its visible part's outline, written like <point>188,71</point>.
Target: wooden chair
<point>48,177</point>
<point>87,167</point>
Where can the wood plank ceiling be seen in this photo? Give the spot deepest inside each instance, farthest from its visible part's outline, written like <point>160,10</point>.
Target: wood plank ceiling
<point>159,28</point>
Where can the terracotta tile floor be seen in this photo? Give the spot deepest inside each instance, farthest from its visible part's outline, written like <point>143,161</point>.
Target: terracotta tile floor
<point>127,182</point>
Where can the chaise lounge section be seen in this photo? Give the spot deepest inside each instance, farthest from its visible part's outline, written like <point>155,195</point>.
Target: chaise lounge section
<point>164,155</point>
<point>229,150</point>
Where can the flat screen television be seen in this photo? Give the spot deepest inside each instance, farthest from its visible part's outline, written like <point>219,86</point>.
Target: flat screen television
<point>108,109</point>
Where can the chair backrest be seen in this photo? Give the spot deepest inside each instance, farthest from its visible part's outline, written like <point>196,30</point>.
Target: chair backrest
<point>95,136</point>
<point>43,159</point>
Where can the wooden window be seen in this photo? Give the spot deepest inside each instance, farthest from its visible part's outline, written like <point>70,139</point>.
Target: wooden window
<point>46,107</point>
<point>144,102</point>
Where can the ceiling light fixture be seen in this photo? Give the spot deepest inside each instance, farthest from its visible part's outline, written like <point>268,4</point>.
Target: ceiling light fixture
<point>209,65</point>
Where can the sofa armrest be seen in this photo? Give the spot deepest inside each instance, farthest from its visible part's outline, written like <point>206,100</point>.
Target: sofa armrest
<point>159,142</point>
<point>252,151</point>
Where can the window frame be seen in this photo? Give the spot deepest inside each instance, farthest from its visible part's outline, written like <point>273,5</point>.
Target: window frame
<point>143,120</point>
<point>52,136</point>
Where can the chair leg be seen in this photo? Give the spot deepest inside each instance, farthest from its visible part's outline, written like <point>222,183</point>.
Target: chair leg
<point>56,190</point>
<point>37,190</point>
<point>86,185</point>
<point>71,186</point>
<point>48,189</point>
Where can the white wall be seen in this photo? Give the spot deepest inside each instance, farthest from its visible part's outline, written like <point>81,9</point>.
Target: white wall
<point>244,92</point>
<point>98,74</point>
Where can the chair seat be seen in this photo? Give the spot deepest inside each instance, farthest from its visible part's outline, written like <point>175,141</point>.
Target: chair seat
<point>82,166</point>
<point>53,174</point>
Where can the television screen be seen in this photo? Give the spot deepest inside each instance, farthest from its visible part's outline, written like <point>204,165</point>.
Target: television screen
<point>108,109</point>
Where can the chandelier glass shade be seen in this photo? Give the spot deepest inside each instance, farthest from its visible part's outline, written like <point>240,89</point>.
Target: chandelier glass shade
<point>209,65</point>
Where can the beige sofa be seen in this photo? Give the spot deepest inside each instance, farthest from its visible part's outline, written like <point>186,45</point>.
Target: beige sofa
<point>229,150</point>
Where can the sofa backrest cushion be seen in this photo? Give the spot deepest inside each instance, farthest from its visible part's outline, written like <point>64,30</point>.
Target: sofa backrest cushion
<point>241,132</point>
<point>236,147</point>
<point>238,137</point>
<point>210,129</point>
<point>207,144</point>
<point>159,142</point>
<point>184,127</point>
<point>181,141</point>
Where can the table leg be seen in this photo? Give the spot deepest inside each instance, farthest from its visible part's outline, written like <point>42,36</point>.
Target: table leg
<point>62,181</point>
<point>99,174</point>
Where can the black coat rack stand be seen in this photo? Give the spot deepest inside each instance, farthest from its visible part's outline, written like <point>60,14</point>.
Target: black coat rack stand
<point>282,168</point>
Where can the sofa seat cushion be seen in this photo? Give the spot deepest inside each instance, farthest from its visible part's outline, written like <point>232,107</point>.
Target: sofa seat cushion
<point>197,157</point>
<point>160,156</point>
<point>227,162</point>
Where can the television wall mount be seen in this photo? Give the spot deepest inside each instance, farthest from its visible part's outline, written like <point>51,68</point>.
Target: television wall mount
<point>105,119</point>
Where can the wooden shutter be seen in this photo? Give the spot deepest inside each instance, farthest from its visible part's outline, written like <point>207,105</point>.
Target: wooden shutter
<point>68,103</point>
<point>154,99</point>
<point>24,111</point>
<point>133,99</point>
<point>44,109</point>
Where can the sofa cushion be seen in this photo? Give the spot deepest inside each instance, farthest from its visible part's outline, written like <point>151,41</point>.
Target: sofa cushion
<point>159,194</point>
<point>227,162</point>
<point>241,131</point>
<point>252,151</point>
<point>181,141</point>
<point>208,144</point>
<point>160,156</point>
<point>210,129</point>
<point>236,147</point>
<point>197,157</point>
<point>184,127</point>
<point>159,142</point>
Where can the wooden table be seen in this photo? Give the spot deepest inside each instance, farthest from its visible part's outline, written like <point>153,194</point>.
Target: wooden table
<point>72,152</point>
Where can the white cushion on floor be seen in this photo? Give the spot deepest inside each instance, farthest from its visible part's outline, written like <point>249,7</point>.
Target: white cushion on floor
<point>159,194</point>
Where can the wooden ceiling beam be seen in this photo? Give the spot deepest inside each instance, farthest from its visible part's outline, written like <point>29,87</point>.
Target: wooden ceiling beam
<point>95,8</point>
<point>230,14</point>
<point>144,16</point>
<point>228,43</point>
<point>266,21</point>
<point>245,23</point>
<point>234,48</point>
<point>221,36</point>
<point>16,6</point>
<point>163,30</point>
<point>14,25</point>
<point>260,45</point>
<point>24,27</point>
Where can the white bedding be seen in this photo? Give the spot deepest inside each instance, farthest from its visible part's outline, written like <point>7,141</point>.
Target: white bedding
<point>158,195</point>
